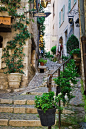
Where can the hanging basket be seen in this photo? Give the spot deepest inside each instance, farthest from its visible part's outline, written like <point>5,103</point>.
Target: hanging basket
<point>48,118</point>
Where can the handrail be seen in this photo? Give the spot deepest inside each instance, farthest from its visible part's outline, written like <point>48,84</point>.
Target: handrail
<point>61,65</point>
<point>50,75</point>
<point>49,82</point>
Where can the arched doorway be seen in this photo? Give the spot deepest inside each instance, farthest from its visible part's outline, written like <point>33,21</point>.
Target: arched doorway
<point>1,40</point>
<point>61,46</point>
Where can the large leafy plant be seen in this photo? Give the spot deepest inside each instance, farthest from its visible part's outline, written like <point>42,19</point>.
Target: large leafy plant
<point>65,79</point>
<point>72,43</point>
<point>76,51</point>
<point>53,49</point>
<point>47,101</point>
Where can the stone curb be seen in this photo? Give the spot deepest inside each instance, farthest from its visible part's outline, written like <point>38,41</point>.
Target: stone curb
<point>16,102</point>
<point>27,110</point>
<point>20,123</point>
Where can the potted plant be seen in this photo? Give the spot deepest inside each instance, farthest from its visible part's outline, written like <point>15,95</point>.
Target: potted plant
<point>14,65</point>
<point>75,53</point>
<point>42,61</point>
<point>46,106</point>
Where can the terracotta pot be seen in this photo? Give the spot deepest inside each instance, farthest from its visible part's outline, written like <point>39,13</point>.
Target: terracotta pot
<point>14,80</point>
<point>75,56</point>
<point>41,63</point>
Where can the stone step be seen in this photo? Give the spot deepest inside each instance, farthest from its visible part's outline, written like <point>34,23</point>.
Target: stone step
<point>28,127</point>
<point>21,123</point>
<point>25,109</point>
<point>16,102</point>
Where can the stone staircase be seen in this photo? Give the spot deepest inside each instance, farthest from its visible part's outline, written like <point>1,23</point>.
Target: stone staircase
<point>19,111</point>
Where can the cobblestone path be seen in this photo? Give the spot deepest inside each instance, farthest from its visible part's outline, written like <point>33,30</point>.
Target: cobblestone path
<point>19,111</point>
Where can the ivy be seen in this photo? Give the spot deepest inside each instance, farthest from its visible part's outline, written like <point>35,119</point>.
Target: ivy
<point>3,9</point>
<point>14,61</point>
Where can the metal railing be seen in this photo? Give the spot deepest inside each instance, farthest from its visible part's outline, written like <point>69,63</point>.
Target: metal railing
<point>49,85</point>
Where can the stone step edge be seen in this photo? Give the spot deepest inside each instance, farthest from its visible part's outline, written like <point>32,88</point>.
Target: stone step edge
<point>19,102</point>
<point>27,110</point>
<point>15,102</point>
<point>20,123</point>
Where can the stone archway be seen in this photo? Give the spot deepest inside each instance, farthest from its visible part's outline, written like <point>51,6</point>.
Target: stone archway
<point>1,40</point>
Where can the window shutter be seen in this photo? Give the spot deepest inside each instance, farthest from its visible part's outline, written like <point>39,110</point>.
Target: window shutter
<point>75,1</point>
<point>63,12</point>
<point>59,19</point>
<point>69,5</point>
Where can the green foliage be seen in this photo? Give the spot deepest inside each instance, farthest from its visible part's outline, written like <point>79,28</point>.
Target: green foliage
<point>53,49</point>
<point>76,51</point>
<point>64,80</point>
<point>3,9</point>
<point>42,60</point>
<point>47,55</point>
<point>65,58</point>
<point>47,101</point>
<point>13,53</point>
<point>72,43</point>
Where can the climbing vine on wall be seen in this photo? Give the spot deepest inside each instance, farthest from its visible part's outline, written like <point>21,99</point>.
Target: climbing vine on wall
<point>14,60</point>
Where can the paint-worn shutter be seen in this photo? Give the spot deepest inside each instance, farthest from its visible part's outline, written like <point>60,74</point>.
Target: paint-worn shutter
<point>69,5</point>
<point>59,19</point>
<point>75,1</point>
<point>63,12</point>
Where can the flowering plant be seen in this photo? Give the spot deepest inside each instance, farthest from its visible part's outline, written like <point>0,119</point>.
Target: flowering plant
<point>47,101</point>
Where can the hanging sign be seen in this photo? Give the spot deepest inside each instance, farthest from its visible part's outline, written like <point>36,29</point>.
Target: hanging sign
<point>39,14</point>
<point>70,20</point>
<point>5,20</point>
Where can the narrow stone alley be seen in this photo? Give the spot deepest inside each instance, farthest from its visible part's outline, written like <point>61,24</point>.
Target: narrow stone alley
<point>17,108</point>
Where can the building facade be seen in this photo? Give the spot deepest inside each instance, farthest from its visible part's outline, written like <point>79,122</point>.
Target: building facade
<point>7,33</point>
<point>61,29</point>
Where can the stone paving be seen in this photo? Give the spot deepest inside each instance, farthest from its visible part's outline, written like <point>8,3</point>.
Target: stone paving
<point>36,86</point>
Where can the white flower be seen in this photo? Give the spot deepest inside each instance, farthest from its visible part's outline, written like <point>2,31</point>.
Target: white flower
<point>66,97</point>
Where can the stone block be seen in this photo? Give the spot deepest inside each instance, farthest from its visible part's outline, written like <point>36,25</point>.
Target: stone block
<point>30,102</point>
<point>6,109</point>
<point>4,122</point>
<point>21,123</point>
<point>7,101</point>
<point>20,102</point>
<point>19,109</point>
<point>31,110</point>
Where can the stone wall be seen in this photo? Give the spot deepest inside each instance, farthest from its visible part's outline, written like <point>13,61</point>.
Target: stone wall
<point>7,36</point>
<point>82,63</point>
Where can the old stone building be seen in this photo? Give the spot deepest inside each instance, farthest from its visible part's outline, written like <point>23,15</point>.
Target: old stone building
<point>61,27</point>
<point>82,22</point>
<point>7,33</point>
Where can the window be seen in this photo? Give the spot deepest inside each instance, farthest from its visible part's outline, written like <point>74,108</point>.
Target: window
<point>75,1</point>
<point>59,19</point>
<point>63,12</point>
<point>69,5</point>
